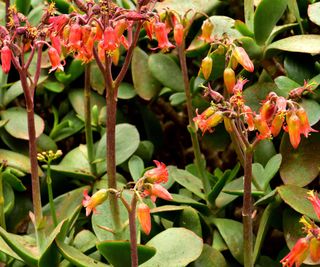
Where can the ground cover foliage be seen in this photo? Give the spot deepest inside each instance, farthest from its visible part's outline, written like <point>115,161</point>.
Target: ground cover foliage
<point>159,133</point>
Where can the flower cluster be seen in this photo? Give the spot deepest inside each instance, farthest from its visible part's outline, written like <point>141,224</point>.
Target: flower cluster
<point>150,185</point>
<point>309,245</point>
<point>276,113</point>
<point>147,186</point>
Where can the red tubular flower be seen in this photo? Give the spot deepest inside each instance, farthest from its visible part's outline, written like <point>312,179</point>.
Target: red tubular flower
<point>55,42</point>
<point>90,203</point>
<point>304,122</point>
<point>58,22</point>
<point>297,255</point>
<point>229,79</point>
<point>162,36</point>
<point>207,29</point>
<point>239,85</point>
<point>111,40</point>
<point>248,114</point>
<point>6,57</point>
<point>178,33</point>
<point>158,191</point>
<point>262,127</point>
<point>207,124</point>
<point>148,26</point>
<point>157,175</point>
<point>315,249</point>
<point>315,201</point>
<point>277,123</point>
<point>54,59</point>
<point>143,213</point>
<point>75,37</point>
<point>294,126</point>
<point>243,59</point>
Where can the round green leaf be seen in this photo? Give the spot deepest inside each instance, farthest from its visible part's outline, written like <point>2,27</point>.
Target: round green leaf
<point>144,83</point>
<point>309,43</point>
<point>76,98</point>
<point>175,247</point>
<point>17,125</point>
<point>266,17</point>
<point>313,13</point>
<point>127,142</point>
<point>119,255</point>
<point>232,233</point>
<point>189,219</point>
<point>17,160</point>
<point>300,166</point>
<point>210,257</point>
<point>296,198</point>
<point>166,71</point>
<point>136,167</point>
<point>126,91</point>
<point>53,86</point>
<point>85,240</point>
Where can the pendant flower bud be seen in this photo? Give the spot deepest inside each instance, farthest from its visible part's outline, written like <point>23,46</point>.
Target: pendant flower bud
<point>239,85</point>
<point>143,213</point>
<point>314,249</point>
<point>298,253</point>
<point>207,29</point>
<point>263,128</point>
<point>157,175</point>
<point>90,203</point>
<point>243,59</point>
<point>209,123</point>
<point>54,59</point>
<point>277,123</point>
<point>55,42</point>
<point>206,67</point>
<point>148,26</point>
<point>162,36</point>
<point>229,79</point>
<point>315,201</point>
<point>6,56</point>
<point>294,126</point>
<point>267,110</point>
<point>178,33</point>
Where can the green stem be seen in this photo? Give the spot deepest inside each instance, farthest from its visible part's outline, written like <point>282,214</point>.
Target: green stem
<point>87,115</point>
<point>293,7</point>
<point>50,195</point>
<point>247,209</point>
<point>249,13</point>
<point>2,215</point>
<point>191,126</point>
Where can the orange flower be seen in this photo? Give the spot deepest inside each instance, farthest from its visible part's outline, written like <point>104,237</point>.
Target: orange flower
<point>298,253</point>
<point>111,40</point>
<point>243,59</point>
<point>75,37</point>
<point>158,191</point>
<point>178,33</point>
<point>267,110</point>
<point>143,213</point>
<point>54,59</point>
<point>277,123</point>
<point>162,36</point>
<point>206,123</point>
<point>6,56</point>
<point>206,67</point>
<point>207,29</point>
<point>248,114</point>
<point>304,122</point>
<point>158,174</point>
<point>294,126</point>
<point>262,127</point>
<point>229,79</point>
<point>90,203</point>
<point>315,249</point>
